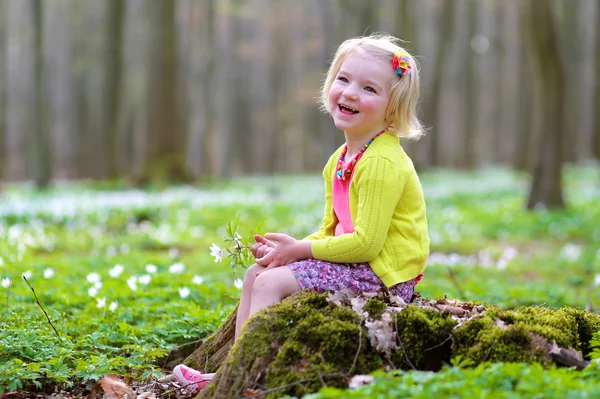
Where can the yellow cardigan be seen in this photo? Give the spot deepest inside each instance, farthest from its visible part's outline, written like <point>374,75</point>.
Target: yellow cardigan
<point>388,213</point>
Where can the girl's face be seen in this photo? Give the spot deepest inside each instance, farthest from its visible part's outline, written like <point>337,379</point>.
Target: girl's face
<point>359,95</point>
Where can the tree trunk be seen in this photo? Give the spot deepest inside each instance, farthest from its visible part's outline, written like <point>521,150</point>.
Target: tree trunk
<point>203,66</point>
<point>546,186</point>
<point>115,11</point>
<point>471,93</point>
<point>597,90</point>
<point>433,100</point>
<point>40,153</point>
<point>165,142</point>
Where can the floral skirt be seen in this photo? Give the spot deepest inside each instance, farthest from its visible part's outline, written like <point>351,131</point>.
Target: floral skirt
<point>321,276</point>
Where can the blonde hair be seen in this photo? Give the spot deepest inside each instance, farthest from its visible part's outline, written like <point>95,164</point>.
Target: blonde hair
<point>401,112</point>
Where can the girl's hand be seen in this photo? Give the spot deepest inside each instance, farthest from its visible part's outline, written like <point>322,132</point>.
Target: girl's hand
<point>287,250</point>
<point>261,248</point>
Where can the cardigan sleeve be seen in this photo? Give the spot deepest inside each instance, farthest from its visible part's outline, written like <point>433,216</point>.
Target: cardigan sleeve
<point>379,186</point>
<point>328,217</point>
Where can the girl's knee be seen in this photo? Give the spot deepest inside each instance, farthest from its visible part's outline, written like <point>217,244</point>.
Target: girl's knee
<point>250,276</point>
<point>263,283</point>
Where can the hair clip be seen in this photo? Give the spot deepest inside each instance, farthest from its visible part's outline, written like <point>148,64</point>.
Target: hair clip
<point>401,63</point>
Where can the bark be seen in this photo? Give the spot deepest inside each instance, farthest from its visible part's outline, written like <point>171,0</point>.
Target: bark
<point>165,142</point>
<point>471,93</point>
<point>203,67</point>
<point>115,11</point>
<point>61,84</point>
<point>19,87</point>
<point>597,90</point>
<point>541,28</point>
<point>40,155</point>
<point>433,101</point>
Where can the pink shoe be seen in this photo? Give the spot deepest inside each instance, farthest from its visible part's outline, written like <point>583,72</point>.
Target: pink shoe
<point>190,377</point>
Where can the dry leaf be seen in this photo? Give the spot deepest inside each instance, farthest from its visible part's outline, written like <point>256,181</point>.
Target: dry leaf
<point>146,395</point>
<point>455,310</point>
<point>251,393</point>
<point>114,388</point>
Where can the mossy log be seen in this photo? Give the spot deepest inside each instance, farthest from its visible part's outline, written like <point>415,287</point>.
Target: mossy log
<point>311,340</point>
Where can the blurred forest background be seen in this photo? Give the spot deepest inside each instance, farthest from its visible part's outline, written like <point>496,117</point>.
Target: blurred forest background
<point>184,89</point>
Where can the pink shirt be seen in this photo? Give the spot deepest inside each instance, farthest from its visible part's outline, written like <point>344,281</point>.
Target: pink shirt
<point>341,205</point>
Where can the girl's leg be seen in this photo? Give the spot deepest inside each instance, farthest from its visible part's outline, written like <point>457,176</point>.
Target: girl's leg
<point>271,287</point>
<point>244,307</point>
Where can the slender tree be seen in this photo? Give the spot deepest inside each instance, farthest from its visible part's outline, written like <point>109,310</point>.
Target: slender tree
<point>597,90</point>
<point>165,139</point>
<point>115,11</point>
<point>433,100</point>
<point>40,153</point>
<point>542,32</point>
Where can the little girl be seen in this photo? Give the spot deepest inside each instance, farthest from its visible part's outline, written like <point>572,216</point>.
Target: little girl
<point>374,231</point>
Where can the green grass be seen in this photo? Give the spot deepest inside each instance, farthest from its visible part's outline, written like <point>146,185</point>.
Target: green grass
<point>481,235</point>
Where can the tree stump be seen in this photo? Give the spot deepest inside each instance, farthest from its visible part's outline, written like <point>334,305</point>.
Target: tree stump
<point>311,340</point>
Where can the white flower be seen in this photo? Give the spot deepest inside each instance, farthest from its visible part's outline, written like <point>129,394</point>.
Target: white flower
<point>150,268</point>
<point>597,280</point>
<point>184,292</point>
<point>132,283</point>
<point>48,273</point>
<point>98,284</point>
<point>237,241</point>
<point>177,268</point>
<point>6,282</point>
<point>216,252</point>
<point>197,279</point>
<point>238,283</point>
<point>27,274</point>
<point>93,291</point>
<point>101,302</point>
<point>116,271</point>
<point>113,306</point>
<point>571,251</point>
<point>173,252</point>
<point>1,261</point>
<point>93,278</point>
<point>145,279</point>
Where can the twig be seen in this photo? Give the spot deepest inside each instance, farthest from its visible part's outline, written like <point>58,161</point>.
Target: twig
<point>359,348</point>
<point>43,310</point>
<point>438,345</point>
<point>187,322</point>
<point>400,342</point>
<point>455,282</point>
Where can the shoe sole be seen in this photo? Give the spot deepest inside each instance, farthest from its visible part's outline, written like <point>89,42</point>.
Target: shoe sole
<point>179,377</point>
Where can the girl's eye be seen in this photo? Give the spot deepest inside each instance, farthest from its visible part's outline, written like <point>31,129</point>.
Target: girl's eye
<point>369,88</point>
<point>343,79</point>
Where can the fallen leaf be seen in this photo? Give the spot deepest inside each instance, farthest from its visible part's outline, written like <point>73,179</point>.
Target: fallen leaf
<point>146,395</point>
<point>114,388</point>
<point>251,393</point>
<point>455,310</point>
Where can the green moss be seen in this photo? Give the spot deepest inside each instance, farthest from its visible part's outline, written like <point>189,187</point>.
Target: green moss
<point>375,308</point>
<point>304,343</point>
<point>422,333</point>
<point>524,336</point>
<point>587,324</point>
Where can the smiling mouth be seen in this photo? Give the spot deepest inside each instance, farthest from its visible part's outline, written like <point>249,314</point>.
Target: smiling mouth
<point>347,110</point>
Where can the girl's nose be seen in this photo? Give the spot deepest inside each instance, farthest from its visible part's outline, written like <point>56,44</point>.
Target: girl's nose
<point>351,94</point>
